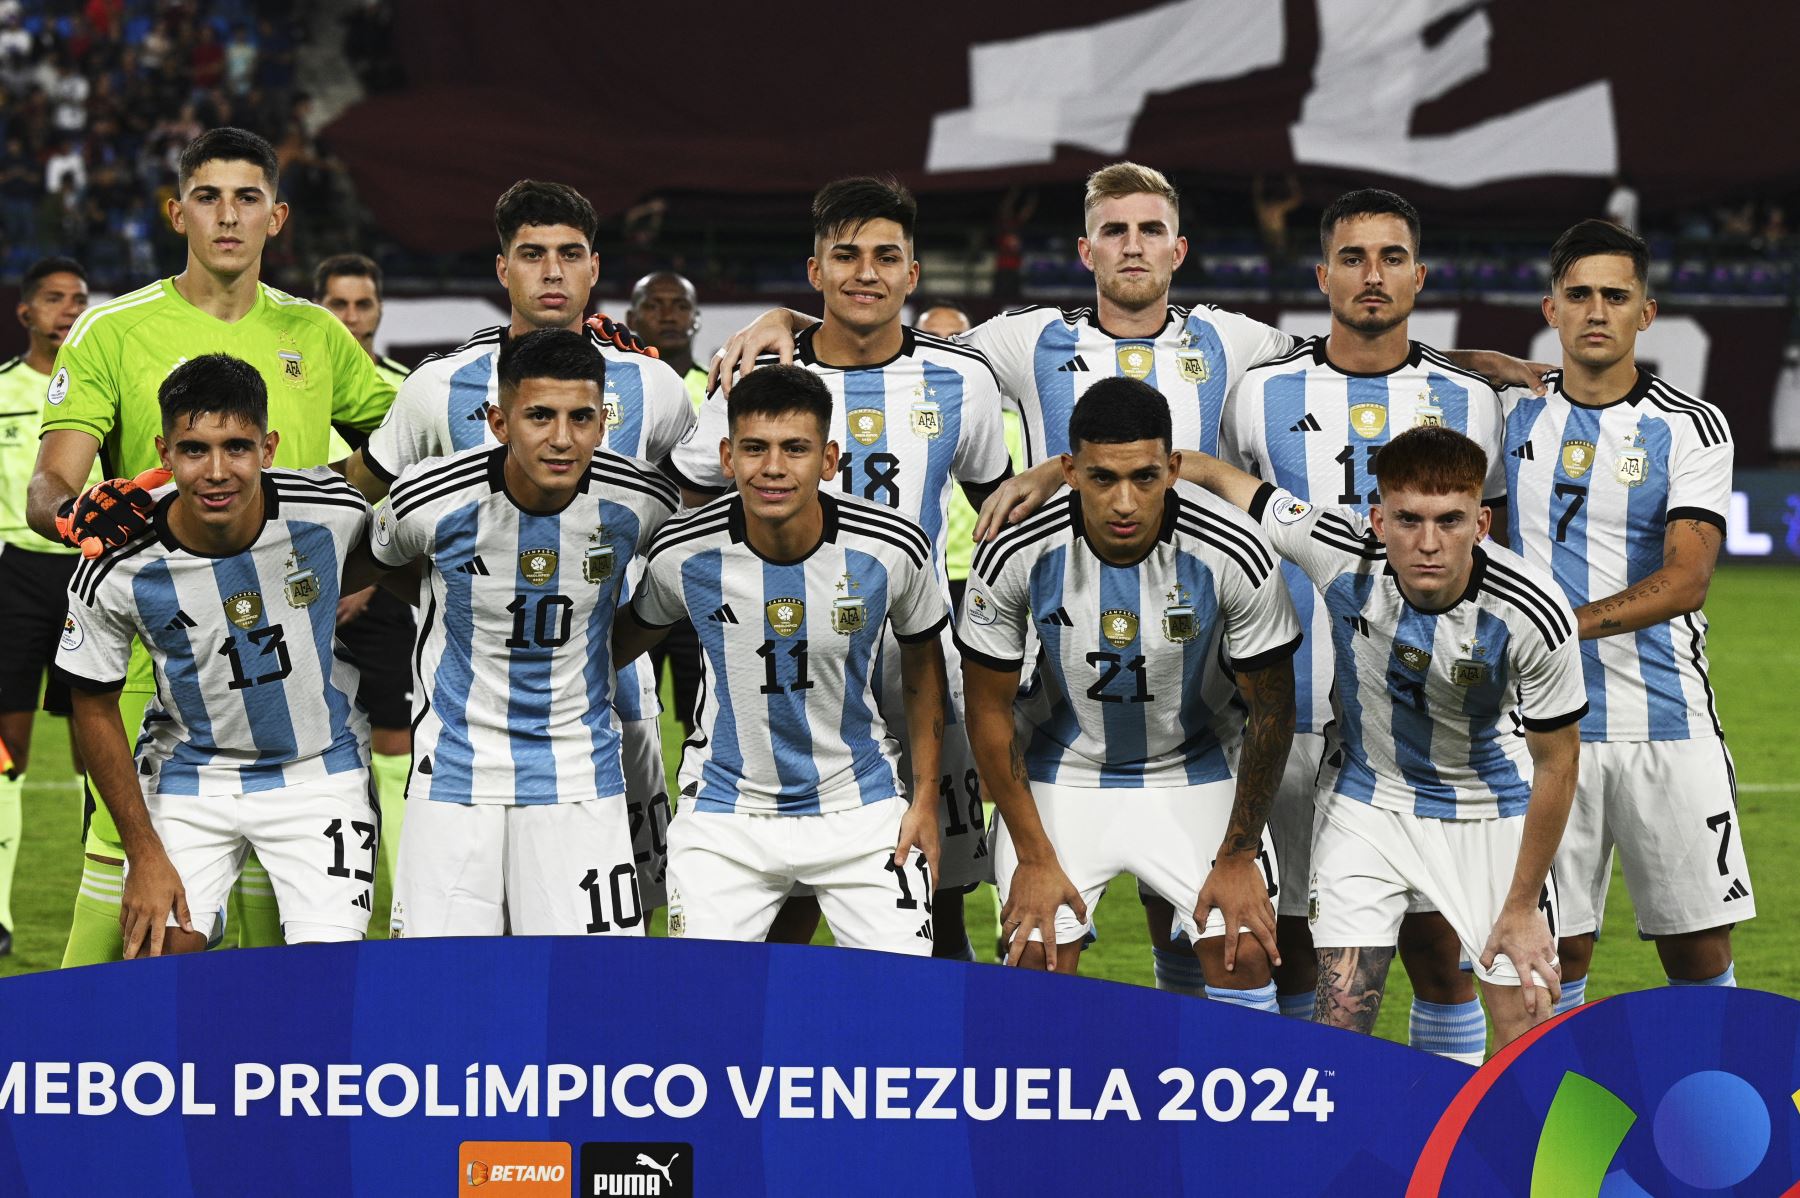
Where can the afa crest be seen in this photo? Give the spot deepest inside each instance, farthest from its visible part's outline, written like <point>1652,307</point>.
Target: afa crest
<point>1119,627</point>
<point>615,411</point>
<point>293,363</point>
<point>1179,623</point>
<point>597,559</point>
<point>538,566</point>
<point>1634,463</point>
<point>1430,412</point>
<point>1192,366</point>
<point>848,612</point>
<point>927,419</point>
<point>1470,669</point>
<point>301,585</point>
<point>785,615</point>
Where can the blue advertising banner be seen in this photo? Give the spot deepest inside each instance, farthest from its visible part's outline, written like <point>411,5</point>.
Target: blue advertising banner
<point>570,1066</point>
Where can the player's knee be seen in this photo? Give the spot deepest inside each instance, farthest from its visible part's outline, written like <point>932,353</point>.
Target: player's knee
<point>1695,956</point>
<point>1159,919</point>
<point>1575,954</point>
<point>179,943</point>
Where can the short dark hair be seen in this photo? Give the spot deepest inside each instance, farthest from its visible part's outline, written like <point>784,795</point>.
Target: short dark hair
<point>43,268</point>
<point>1592,237</point>
<point>215,384</point>
<point>854,202</point>
<point>1118,411</point>
<point>359,266</point>
<point>1367,201</point>
<point>228,143</point>
<point>1432,460</point>
<point>933,303</point>
<point>549,354</point>
<point>535,202</point>
<point>778,390</point>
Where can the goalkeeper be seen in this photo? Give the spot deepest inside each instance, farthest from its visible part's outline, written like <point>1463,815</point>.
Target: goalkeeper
<point>102,401</point>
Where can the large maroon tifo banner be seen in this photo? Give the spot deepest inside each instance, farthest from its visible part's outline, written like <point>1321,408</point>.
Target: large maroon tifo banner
<point>1510,109</point>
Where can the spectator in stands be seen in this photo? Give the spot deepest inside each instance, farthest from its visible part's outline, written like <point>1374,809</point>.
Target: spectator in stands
<point>1622,204</point>
<point>240,60</point>
<point>206,61</point>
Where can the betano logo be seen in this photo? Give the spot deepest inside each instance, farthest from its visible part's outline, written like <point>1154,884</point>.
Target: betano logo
<point>516,1168</point>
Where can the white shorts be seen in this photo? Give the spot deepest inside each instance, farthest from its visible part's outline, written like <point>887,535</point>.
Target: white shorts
<point>963,857</point>
<point>543,869</point>
<point>1291,819</point>
<point>1369,862</point>
<point>730,871</point>
<point>647,807</point>
<point>317,841</point>
<point>1166,835</point>
<point>1670,808</point>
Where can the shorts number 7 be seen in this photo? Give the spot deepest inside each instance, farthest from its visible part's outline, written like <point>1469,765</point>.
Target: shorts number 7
<point>1715,822</point>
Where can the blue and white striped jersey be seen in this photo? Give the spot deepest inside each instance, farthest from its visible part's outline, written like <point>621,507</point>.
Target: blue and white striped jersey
<point>1313,430</point>
<point>1046,357</point>
<point>442,407</point>
<point>515,643</point>
<point>788,722</point>
<point>1594,491</point>
<point>1135,696</point>
<point>1426,701</point>
<point>907,429</point>
<point>250,692</point>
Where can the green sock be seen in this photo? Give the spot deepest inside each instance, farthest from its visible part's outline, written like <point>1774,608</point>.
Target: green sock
<point>94,935</point>
<point>254,912</point>
<point>390,770</point>
<point>12,792</point>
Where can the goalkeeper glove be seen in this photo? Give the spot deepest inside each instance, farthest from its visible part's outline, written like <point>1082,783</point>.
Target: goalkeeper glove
<point>618,336</point>
<point>109,513</point>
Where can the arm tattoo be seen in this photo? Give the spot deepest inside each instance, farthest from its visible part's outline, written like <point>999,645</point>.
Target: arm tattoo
<point>1268,733</point>
<point>1018,763</point>
<point>1351,983</point>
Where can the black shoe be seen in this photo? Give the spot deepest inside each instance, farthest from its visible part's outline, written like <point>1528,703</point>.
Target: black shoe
<point>5,940</point>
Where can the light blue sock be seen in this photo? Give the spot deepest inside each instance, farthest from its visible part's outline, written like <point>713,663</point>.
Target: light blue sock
<point>1260,999</point>
<point>1455,1030</point>
<point>1728,978</point>
<point>1178,970</point>
<point>1573,995</point>
<point>1296,1006</point>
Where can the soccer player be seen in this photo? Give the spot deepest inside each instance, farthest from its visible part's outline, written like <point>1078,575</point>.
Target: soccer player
<point>792,779</point>
<point>914,414</point>
<point>1620,488</point>
<point>1312,423</point>
<point>1443,646</point>
<point>518,818</point>
<point>34,571</point>
<point>1046,357</point>
<point>665,312</point>
<point>1138,586</point>
<point>101,404</point>
<point>548,266</point>
<point>374,625</point>
<point>253,739</point>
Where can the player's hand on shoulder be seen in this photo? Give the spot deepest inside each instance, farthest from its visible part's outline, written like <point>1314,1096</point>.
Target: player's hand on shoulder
<point>619,337</point>
<point>1017,498</point>
<point>110,512</point>
<point>1523,935</point>
<point>1504,370</point>
<point>152,891</point>
<point>770,333</point>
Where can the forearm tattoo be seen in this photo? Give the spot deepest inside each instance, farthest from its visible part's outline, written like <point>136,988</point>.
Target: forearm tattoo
<point>1351,983</point>
<point>1267,734</point>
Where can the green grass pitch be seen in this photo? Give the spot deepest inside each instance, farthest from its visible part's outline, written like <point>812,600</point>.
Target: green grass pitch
<point>1755,649</point>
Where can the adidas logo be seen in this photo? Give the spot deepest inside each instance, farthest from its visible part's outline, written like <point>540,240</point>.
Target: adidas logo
<point>1306,424</point>
<point>181,620</point>
<point>1523,453</point>
<point>1075,363</point>
<point>1358,623</point>
<point>1059,617</point>
<point>473,566</point>
<point>1737,891</point>
<point>723,616</point>
<point>362,900</point>
<point>480,412</point>
<point>924,932</point>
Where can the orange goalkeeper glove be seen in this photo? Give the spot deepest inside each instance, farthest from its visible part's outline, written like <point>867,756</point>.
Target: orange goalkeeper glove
<point>618,336</point>
<point>109,513</point>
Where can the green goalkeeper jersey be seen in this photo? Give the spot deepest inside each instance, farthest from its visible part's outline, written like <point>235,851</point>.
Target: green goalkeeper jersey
<point>118,353</point>
<point>21,414</point>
